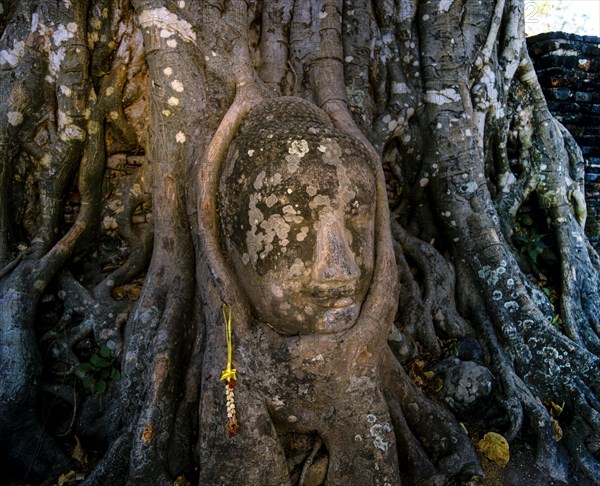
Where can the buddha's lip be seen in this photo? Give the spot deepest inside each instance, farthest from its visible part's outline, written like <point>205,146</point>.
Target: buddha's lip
<point>330,296</point>
<point>335,302</point>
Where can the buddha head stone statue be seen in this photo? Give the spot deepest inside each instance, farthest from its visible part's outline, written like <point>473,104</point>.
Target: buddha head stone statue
<point>297,213</point>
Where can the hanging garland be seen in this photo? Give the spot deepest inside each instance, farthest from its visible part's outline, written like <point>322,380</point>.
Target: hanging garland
<point>228,375</point>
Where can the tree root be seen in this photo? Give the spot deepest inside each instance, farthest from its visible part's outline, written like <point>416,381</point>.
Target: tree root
<point>519,402</point>
<point>437,297</point>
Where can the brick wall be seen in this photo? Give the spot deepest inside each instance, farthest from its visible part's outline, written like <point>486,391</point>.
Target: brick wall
<point>568,68</point>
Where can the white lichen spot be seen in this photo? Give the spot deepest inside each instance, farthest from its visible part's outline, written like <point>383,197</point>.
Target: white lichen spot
<point>258,182</point>
<point>56,59</point>
<point>13,56</point>
<point>490,275</point>
<point>302,234</point>
<point>163,18</point>
<point>110,91</point>
<point>425,17</point>
<point>564,52</point>
<point>172,101</point>
<point>15,118</point>
<point>311,191</point>
<point>299,148</point>
<point>496,295</point>
<point>442,97</point>
<point>445,5</point>
<point>168,71</point>
<point>379,433</point>
<point>113,115</point>
<point>72,27</point>
<point>511,306</point>
<point>165,34</point>
<point>109,223</point>
<point>423,182</point>
<point>297,268</point>
<point>61,34</point>
<point>400,88</point>
<point>471,187</point>
<point>181,4</point>
<point>276,401</point>
<point>271,201</point>
<point>322,148</point>
<point>349,59</point>
<point>322,15</point>
<point>166,113</point>
<point>72,132</point>
<point>180,137</point>
<point>172,43</point>
<point>177,85</point>
<point>250,153</point>
<point>506,181</point>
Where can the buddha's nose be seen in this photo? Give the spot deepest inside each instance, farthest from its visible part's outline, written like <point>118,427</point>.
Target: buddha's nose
<point>334,261</point>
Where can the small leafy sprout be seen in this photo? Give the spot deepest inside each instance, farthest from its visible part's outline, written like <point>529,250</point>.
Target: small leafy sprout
<point>528,241</point>
<point>102,368</point>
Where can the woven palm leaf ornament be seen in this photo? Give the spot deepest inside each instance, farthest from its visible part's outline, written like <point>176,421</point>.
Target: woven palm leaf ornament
<point>228,376</point>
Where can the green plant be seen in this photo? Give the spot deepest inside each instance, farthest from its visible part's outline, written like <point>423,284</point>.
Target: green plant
<point>102,368</point>
<point>556,322</point>
<point>527,240</point>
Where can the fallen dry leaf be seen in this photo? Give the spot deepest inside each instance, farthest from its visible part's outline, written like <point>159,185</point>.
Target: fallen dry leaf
<point>181,481</point>
<point>495,448</point>
<point>66,478</point>
<point>79,452</point>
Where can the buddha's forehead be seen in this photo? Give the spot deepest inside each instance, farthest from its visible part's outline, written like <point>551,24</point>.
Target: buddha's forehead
<point>298,169</point>
<point>271,196</point>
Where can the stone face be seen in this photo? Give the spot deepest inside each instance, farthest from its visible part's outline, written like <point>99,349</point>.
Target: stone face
<point>568,68</point>
<point>297,210</point>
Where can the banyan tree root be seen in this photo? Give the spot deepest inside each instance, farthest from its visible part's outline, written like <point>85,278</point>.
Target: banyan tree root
<point>352,393</point>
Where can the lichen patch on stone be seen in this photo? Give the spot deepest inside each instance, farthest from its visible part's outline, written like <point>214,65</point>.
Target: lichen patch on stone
<point>13,56</point>
<point>164,19</point>
<point>15,118</point>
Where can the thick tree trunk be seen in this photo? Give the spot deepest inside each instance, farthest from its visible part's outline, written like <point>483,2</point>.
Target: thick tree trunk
<point>123,112</point>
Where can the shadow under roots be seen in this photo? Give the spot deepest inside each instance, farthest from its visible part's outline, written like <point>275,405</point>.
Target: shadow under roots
<point>307,457</point>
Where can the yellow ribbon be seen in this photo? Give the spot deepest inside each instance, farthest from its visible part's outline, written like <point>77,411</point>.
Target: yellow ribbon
<point>229,372</point>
